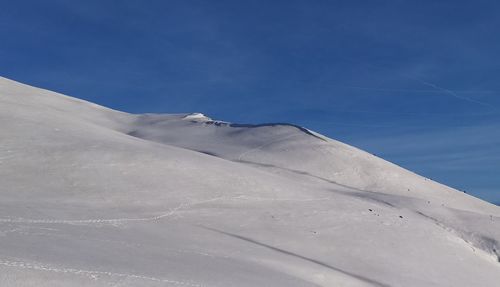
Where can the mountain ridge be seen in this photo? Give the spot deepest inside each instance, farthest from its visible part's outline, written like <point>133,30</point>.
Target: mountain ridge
<point>92,197</point>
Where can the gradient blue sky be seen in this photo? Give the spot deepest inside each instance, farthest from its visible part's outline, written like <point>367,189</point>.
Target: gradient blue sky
<point>415,82</point>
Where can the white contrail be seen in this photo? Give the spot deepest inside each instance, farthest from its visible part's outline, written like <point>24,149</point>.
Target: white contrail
<point>418,91</point>
<point>434,86</point>
<point>452,93</point>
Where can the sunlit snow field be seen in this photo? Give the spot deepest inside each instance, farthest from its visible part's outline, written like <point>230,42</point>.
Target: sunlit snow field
<point>95,197</point>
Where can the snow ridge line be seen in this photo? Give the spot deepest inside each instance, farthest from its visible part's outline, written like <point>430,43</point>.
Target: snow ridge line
<point>90,273</point>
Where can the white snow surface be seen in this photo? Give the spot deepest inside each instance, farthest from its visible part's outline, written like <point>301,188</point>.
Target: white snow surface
<point>90,196</point>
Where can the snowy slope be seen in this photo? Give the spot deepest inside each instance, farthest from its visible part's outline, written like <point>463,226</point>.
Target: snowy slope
<point>96,197</point>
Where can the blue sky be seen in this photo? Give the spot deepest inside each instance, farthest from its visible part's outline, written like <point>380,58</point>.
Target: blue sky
<point>415,82</point>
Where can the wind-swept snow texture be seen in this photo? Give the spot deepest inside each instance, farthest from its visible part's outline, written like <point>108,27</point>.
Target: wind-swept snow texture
<point>95,197</point>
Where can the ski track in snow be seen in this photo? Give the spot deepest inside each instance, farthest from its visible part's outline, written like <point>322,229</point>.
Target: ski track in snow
<point>93,274</point>
<point>171,212</point>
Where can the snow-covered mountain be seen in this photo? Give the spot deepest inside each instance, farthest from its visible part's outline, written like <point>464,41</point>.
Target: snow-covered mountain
<point>95,197</point>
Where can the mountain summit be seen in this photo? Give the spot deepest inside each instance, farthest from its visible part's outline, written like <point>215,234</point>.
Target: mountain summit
<point>96,197</point>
